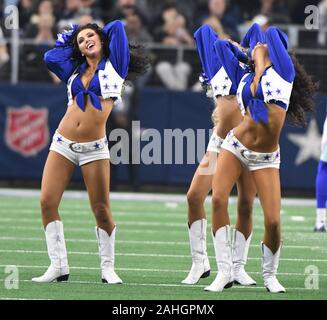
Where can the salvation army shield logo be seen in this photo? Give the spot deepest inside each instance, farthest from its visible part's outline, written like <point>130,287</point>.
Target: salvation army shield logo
<point>27,130</point>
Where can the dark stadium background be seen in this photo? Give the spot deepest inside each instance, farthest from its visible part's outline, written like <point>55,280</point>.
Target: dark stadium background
<point>168,96</point>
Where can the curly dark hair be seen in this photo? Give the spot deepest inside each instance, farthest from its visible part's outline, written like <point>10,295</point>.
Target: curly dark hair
<point>304,88</point>
<point>139,60</point>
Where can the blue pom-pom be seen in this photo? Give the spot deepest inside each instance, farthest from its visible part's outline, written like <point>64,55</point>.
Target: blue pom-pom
<point>204,79</point>
<point>65,38</point>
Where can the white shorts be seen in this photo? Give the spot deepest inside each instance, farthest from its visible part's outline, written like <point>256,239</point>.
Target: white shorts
<point>215,143</point>
<point>80,153</point>
<point>252,160</point>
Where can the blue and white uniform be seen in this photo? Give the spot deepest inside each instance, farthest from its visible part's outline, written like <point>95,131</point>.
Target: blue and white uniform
<point>275,86</point>
<point>276,82</point>
<point>323,156</point>
<point>107,82</point>
<point>321,184</point>
<point>214,72</point>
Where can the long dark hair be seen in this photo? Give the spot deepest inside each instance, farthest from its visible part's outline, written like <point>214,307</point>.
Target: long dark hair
<point>139,60</point>
<point>304,88</point>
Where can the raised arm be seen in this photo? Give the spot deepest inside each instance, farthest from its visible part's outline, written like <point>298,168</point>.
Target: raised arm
<point>227,54</point>
<point>118,46</point>
<point>59,61</point>
<point>252,37</point>
<point>277,47</point>
<point>205,38</point>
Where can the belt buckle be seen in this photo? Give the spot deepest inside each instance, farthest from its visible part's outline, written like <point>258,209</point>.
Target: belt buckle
<point>247,154</point>
<point>74,150</point>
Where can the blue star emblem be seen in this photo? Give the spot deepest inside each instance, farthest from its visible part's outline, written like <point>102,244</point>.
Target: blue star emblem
<point>267,84</point>
<point>226,78</point>
<point>235,144</point>
<point>105,76</point>
<point>59,139</point>
<point>278,91</point>
<point>224,87</point>
<point>96,146</point>
<point>216,87</point>
<point>277,155</point>
<point>106,87</point>
<point>115,86</point>
<point>268,93</point>
<point>267,157</point>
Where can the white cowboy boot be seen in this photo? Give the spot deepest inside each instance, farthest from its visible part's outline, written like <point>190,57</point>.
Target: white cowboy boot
<point>223,250</point>
<point>58,269</point>
<point>200,262</point>
<point>107,255</point>
<point>269,269</point>
<point>240,249</point>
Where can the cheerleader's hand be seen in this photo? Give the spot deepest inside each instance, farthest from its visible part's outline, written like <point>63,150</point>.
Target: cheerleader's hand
<point>236,44</point>
<point>204,80</point>
<point>65,38</point>
<point>205,84</point>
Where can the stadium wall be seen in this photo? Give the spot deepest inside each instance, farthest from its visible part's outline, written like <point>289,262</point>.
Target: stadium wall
<point>30,113</point>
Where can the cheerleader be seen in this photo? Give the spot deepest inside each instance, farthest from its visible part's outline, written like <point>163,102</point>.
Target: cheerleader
<point>94,64</point>
<point>278,86</point>
<point>226,116</point>
<point>321,185</point>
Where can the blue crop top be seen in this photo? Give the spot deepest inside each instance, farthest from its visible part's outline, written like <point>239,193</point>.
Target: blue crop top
<point>276,82</point>
<point>109,76</point>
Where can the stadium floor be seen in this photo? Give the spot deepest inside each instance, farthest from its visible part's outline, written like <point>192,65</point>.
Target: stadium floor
<point>152,251</point>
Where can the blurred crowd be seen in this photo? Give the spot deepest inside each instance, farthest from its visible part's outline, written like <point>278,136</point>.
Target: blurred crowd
<point>168,22</point>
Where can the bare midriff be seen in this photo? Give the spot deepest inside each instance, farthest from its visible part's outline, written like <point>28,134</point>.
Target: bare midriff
<point>88,125</point>
<point>228,114</point>
<point>261,137</point>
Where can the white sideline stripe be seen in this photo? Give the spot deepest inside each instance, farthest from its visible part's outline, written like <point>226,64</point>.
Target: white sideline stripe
<point>124,209</point>
<point>150,242</point>
<point>128,196</point>
<point>78,212</point>
<point>86,253</point>
<point>148,285</point>
<point>121,226</point>
<point>177,216</point>
<point>137,223</point>
<point>74,211</point>
<point>90,230</point>
<point>6,298</point>
<point>161,270</point>
<point>130,222</point>
<point>171,205</point>
<point>297,218</point>
<point>121,230</point>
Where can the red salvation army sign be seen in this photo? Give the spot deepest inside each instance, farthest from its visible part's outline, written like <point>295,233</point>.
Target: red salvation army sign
<point>27,130</point>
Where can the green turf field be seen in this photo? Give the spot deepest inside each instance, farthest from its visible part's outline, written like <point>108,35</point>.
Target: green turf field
<point>152,253</point>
